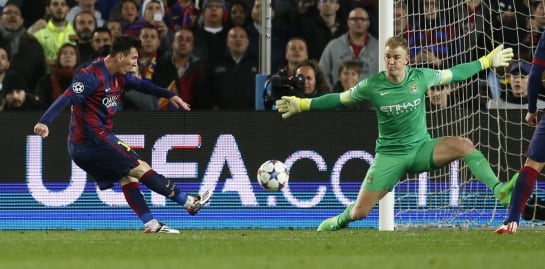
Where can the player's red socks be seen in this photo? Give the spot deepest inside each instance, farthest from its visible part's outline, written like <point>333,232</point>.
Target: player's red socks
<point>523,189</point>
<point>136,201</point>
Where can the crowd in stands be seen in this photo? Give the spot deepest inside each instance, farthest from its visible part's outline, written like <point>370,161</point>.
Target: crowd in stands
<point>207,51</point>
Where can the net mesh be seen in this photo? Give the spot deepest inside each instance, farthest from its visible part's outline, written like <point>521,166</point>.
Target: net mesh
<point>441,34</point>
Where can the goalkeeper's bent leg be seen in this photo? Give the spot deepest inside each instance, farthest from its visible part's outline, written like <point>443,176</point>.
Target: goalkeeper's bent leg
<point>480,167</point>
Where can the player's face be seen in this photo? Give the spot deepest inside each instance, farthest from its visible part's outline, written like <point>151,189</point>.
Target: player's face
<point>128,62</point>
<point>396,59</point>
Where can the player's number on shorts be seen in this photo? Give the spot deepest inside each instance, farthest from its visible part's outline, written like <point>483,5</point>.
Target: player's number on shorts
<point>127,147</point>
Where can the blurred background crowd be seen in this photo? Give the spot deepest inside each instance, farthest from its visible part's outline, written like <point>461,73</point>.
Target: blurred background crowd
<point>207,51</point>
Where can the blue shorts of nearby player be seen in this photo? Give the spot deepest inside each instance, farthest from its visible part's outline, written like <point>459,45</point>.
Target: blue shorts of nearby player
<point>107,160</point>
<point>536,149</point>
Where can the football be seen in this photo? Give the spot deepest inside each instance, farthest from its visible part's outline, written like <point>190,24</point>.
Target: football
<point>273,175</point>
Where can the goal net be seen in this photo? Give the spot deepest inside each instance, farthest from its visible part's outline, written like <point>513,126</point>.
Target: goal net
<point>443,33</point>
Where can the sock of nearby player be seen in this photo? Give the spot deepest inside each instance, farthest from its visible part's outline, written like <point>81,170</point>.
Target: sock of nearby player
<point>159,184</point>
<point>136,201</point>
<point>521,192</point>
<point>344,218</point>
<point>481,169</point>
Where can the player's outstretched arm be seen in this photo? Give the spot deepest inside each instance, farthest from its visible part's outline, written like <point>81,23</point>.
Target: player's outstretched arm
<point>498,57</point>
<point>290,105</point>
<point>178,102</point>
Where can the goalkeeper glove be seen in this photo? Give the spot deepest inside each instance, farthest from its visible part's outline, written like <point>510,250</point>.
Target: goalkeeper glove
<point>497,57</point>
<point>290,105</point>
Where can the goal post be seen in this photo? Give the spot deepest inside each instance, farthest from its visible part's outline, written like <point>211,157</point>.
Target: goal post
<point>386,28</point>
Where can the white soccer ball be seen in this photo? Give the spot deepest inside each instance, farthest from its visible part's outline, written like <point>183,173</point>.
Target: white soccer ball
<point>273,175</point>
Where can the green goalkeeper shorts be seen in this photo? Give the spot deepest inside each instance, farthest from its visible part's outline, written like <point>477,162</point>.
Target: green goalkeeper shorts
<point>387,169</point>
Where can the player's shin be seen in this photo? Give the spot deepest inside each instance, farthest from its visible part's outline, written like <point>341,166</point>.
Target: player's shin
<point>522,191</point>
<point>481,169</point>
<point>136,201</point>
<point>159,184</point>
<point>344,218</point>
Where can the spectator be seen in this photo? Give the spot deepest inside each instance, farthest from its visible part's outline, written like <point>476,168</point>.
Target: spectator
<point>85,25</point>
<point>536,26</point>
<point>100,43</point>
<point>296,53</point>
<point>129,18</point>
<point>239,15</point>
<point>153,13</point>
<point>182,14</point>
<point>401,19</point>
<point>515,93</point>
<point>87,6</point>
<point>357,44</point>
<point>26,54</point>
<point>115,27</point>
<point>59,78</point>
<point>17,95</point>
<point>147,63</point>
<point>315,83</point>
<point>476,34</point>
<point>321,28</point>
<point>512,18</point>
<point>349,76</point>
<point>32,10</point>
<point>432,40</point>
<point>279,37</point>
<point>55,32</point>
<point>439,97</point>
<point>181,72</point>
<point>232,76</point>
<point>211,36</point>
<point>4,66</point>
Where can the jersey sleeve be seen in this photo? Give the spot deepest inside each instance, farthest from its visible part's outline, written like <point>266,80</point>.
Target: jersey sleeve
<point>147,87</point>
<point>83,85</point>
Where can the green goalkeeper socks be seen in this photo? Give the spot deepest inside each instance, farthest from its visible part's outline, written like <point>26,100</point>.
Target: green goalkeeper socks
<point>344,218</point>
<point>481,169</point>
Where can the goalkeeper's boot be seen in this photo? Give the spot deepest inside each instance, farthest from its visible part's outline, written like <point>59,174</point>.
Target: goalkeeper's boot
<point>331,224</point>
<point>154,226</point>
<point>195,202</point>
<point>509,228</point>
<point>503,191</point>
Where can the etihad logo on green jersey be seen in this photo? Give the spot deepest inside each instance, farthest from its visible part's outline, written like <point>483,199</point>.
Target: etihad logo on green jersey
<point>401,108</point>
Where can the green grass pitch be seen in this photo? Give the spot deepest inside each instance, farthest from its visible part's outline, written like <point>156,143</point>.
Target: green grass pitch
<point>256,249</point>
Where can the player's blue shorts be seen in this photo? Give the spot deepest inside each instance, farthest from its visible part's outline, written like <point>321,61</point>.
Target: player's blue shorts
<point>536,149</point>
<point>107,160</point>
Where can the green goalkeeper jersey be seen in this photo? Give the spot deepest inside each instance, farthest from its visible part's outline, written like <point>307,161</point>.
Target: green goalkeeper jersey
<point>400,107</point>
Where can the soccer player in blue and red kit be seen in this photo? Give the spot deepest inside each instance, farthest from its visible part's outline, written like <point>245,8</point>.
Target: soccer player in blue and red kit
<point>535,156</point>
<point>94,97</point>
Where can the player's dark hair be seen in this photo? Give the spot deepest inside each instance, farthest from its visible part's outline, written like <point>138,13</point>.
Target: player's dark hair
<point>123,44</point>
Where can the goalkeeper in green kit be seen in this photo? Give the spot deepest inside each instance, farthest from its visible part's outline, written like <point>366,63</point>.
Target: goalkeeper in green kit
<point>404,144</point>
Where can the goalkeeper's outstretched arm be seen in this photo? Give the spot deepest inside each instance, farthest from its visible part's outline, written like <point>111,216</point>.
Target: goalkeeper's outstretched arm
<point>496,58</point>
<point>290,105</point>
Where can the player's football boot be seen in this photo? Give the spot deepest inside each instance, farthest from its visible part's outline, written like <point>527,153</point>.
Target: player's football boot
<point>330,224</point>
<point>154,226</point>
<point>509,228</point>
<point>195,202</point>
<point>503,191</point>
